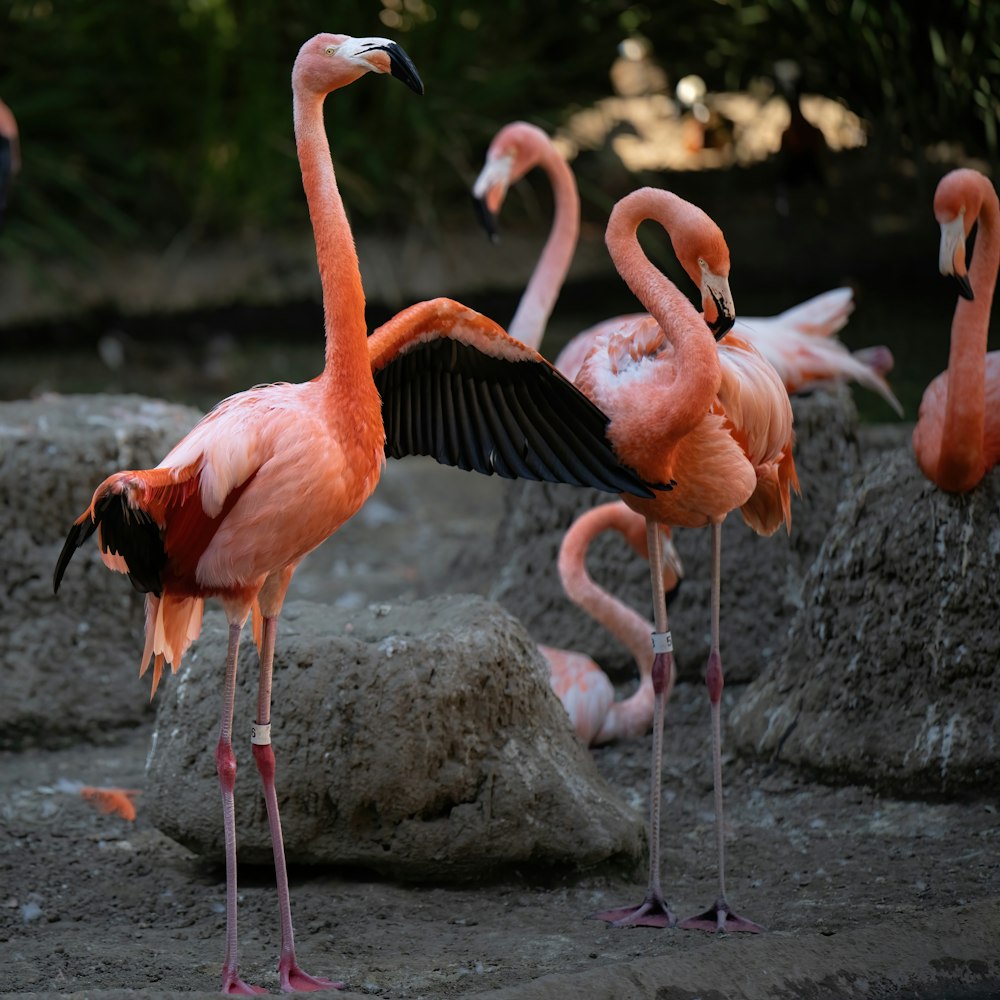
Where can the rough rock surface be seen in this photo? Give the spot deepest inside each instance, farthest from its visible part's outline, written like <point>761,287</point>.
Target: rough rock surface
<point>62,679</point>
<point>417,740</point>
<point>892,671</point>
<point>762,577</point>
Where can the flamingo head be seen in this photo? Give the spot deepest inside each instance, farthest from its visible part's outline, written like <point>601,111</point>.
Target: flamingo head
<point>716,300</point>
<point>515,150</point>
<point>956,207</point>
<point>327,62</point>
<point>703,253</point>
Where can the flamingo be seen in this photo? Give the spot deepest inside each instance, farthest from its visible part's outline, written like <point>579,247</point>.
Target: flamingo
<point>584,689</point>
<point>957,436</point>
<point>271,472</point>
<point>799,342</point>
<point>10,154</point>
<point>716,418</point>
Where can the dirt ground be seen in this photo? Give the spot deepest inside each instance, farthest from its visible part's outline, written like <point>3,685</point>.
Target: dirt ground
<point>862,897</point>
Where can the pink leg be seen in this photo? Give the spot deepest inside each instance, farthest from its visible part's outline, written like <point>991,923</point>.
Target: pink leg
<point>653,911</point>
<point>293,979</point>
<point>225,764</point>
<point>719,916</point>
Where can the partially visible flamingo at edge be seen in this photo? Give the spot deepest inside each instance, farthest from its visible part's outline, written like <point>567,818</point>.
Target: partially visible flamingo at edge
<point>957,436</point>
<point>10,155</point>
<point>585,690</point>
<point>713,417</point>
<point>270,473</point>
<point>800,342</point>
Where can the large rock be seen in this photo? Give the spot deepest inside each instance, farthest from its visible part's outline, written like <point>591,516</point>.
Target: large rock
<point>761,577</point>
<point>68,658</point>
<point>418,740</point>
<point>891,675</point>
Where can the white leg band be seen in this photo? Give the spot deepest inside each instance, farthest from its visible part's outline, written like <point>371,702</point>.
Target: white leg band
<point>662,642</point>
<point>260,734</point>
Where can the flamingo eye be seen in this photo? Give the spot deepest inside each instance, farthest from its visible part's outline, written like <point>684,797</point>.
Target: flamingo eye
<point>330,49</point>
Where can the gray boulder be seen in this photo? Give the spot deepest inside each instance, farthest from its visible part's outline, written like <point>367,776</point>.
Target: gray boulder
<point>891,675</point>
<point>419,740</point>
<point>761,577</point>
<point>69,659</point>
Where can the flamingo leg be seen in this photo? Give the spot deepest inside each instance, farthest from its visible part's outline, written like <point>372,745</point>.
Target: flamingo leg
<point>293,979</point>
<point>225,765</point>
<point>719,916</point>
<point>653,911</point>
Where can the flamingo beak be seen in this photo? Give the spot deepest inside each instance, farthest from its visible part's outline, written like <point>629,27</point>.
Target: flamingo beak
<point>951,257</point>
<point>724,320</point>
<point>402,68</point>
<point>717,301</point>
<point>964,287</point>
<point>490,190</point>
<point>486,218</point>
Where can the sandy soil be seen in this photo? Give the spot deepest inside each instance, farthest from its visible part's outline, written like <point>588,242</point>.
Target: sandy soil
<point>861,896</point>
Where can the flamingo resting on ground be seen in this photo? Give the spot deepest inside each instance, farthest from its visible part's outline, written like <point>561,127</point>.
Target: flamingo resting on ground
<point>799,342</point>
<point>271,472</point>
<point>957,437</point>
<point>10,155</point>
<point>714,417</point>
<point>584,689</point>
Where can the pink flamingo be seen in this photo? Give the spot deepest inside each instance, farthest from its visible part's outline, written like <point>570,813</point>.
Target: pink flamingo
<point>271,472</point>
<point>584,689</point>
<point>957,437</point>
<point>799,342</point>
<point>10,154</point>
<point>714,417</point>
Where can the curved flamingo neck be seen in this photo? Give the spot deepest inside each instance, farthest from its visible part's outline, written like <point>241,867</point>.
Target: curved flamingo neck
<point>961,462</point>
<point>539,297</point>
<point>695,356</point>
<point>624,623</point>
<point>340,275</point>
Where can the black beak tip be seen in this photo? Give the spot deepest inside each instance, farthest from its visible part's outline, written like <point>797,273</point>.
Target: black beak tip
<point>964,288</point>
<point>486,219</point>
<point>402,68</point>
<point>722,325</point>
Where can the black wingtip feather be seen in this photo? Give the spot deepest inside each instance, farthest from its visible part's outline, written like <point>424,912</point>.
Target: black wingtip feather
<point>78,534</point>
<point>516,419</point>
<point>130,533</point>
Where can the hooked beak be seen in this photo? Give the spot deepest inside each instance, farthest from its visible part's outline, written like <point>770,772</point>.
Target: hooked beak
<point>486,218</point>
<point>964,288</point>
<point>490,190</point>
<point>715,289</point>
<point>951,257</point>
<point>724,321</point>
<point>401,66</point>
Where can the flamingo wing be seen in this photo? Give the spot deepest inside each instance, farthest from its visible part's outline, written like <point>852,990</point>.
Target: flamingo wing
<point>456,387</point>
<point>125,533</point>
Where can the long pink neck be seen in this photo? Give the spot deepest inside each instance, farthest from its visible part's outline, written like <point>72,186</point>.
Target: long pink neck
<point>625,624</point>
<point>694,351</point>
<point>347,361</point>
<point>961,463</point>
<point>539,298</point>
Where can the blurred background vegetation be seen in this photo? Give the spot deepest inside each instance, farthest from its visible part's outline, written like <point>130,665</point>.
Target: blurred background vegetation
<point>142,118</point>
<point>165,125</point>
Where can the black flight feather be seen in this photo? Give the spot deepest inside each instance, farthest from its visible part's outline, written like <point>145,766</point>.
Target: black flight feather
<point>518,419</point>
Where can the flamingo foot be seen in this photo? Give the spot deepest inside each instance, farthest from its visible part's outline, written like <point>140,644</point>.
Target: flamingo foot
<point>294,980</point>
<point>720,917</point>
<point>651,912</point>
<point>232,985</point>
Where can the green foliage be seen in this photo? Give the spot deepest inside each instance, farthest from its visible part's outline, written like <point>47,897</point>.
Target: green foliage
<point>144,123</point>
